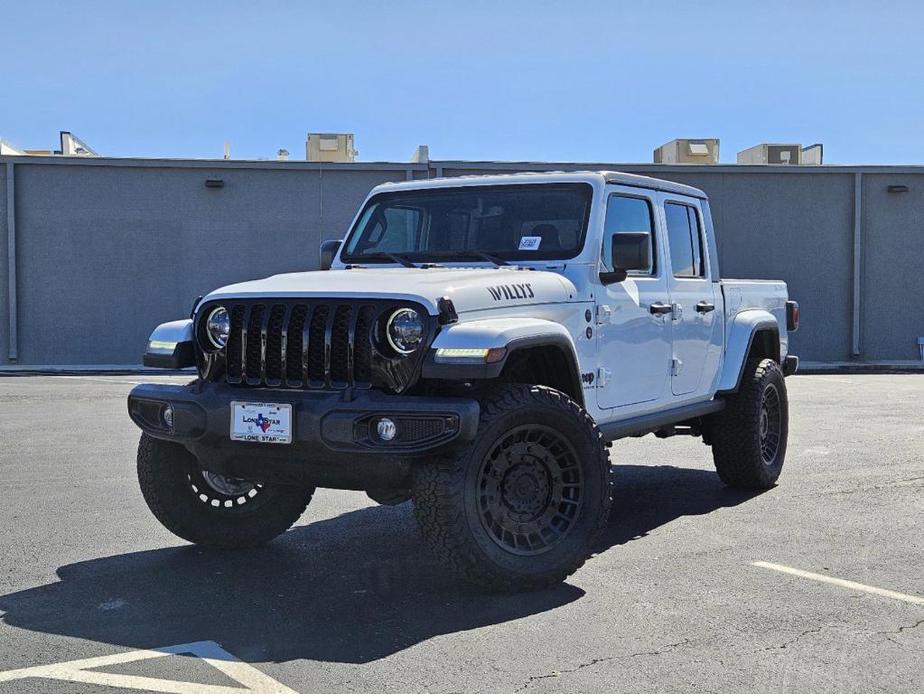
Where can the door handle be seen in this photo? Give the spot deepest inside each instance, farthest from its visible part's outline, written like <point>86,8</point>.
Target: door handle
<point>704,307</point>
<point>659,309</point>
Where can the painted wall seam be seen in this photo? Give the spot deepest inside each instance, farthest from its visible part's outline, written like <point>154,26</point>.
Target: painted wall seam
<point>857,256</point>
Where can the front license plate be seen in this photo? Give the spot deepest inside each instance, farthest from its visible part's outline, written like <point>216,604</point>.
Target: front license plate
<point>261,422</point>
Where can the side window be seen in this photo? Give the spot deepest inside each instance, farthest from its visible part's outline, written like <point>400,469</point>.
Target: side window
<point>630,221</point>
<point>685,239</point>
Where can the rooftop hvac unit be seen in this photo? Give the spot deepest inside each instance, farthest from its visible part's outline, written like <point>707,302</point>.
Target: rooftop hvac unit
<point>766,153</point>
<point>7,148</point>
<point>813,155</point>
<point>688,151</point>
<point>330,147</point>
<point>73,146</point>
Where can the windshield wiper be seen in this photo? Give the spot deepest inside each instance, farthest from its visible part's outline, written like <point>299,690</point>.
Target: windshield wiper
<point>390,256</point>
<point>487,256</point>
<point>465,253</point>
<point>470,253</point>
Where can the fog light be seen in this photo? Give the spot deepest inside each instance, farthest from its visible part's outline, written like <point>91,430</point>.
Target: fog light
<point>167,415</point>
<point>386,429</point>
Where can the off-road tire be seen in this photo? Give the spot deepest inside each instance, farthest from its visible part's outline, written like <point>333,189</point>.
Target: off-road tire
<point>739,449</point>
<point>449,494</point>
<point>183,502</point>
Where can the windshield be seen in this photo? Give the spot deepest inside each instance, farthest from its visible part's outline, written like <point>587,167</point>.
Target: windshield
<point>524,222</point>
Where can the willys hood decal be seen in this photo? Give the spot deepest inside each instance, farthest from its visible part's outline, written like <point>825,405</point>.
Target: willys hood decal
<point>470,289</point>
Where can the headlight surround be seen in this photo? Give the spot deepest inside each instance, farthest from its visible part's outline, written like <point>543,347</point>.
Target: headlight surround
<point>404,330</point>
<point>218,327</point>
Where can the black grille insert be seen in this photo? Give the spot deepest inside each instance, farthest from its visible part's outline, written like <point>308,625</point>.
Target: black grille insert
<point>310,344</point>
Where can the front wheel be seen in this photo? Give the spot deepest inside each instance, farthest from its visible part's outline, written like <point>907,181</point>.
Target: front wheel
<point>749,436</point>
<point>521,507</point>
<point>210,509</point>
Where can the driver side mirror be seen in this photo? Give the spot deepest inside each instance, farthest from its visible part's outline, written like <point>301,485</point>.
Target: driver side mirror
<point>631,250</point>
<point>329,252</point>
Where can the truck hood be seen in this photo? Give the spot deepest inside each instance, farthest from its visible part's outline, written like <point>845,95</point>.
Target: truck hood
<point>470,289</point>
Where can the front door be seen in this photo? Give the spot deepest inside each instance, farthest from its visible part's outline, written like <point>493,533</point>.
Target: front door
<point>693,301</point>
<point>633,339</point>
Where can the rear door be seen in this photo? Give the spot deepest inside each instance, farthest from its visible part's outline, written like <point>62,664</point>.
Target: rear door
<point>695,327</point>
<point>633,342</point>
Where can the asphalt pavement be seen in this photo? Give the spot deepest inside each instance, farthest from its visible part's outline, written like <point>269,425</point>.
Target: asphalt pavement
<point>96,596</point>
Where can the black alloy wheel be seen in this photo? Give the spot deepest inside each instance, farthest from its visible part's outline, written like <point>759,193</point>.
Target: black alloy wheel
<point>530,489</point>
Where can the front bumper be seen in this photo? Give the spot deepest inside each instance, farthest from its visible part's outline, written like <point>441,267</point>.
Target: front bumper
<point>333,433</point>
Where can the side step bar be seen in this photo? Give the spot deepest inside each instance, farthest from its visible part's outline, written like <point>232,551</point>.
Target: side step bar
<point>638,426</point>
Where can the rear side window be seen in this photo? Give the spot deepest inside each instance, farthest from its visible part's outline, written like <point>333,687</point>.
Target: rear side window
<point>629,216</point>
<point>685,238</point>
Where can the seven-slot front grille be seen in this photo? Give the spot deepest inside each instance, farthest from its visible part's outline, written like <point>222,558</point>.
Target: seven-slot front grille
<point>301,345</point>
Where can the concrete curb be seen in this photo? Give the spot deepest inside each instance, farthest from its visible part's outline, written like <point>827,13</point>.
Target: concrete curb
<point>89,370</point>
<point>808,368</point>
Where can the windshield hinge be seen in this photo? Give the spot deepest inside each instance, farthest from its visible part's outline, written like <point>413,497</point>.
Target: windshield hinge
<point>447,311</point>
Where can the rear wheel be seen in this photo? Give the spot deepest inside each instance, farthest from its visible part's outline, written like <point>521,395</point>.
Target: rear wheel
<point>211,509</point>
<point>522,507</point>
<point>749,436</point>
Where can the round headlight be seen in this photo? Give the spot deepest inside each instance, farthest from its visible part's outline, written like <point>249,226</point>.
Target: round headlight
<point>404,330</point>
<point>218,327</point>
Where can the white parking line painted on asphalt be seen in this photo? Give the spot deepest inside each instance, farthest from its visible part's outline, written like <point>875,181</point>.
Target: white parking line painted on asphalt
<point>850,585</point>
<point>252,679</point>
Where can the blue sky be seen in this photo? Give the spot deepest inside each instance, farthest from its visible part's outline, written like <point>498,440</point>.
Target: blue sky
<point>564,81</point>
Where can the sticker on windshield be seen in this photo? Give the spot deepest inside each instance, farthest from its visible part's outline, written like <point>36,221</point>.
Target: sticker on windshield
<point>530,243</point>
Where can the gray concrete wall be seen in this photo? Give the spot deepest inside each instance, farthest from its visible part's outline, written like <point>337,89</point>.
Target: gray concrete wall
<point>892,307</point>
<point>109,248</point>
<point>106,252</point>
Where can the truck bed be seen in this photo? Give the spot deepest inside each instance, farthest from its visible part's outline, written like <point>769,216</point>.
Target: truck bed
<point>743,295</point>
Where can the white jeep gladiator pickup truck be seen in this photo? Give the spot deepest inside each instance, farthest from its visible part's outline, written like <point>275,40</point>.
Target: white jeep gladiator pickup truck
<point>473,344</point>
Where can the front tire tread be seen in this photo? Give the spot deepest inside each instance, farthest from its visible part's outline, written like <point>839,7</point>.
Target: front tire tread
<point>438,487</point>
<point>162,475</point>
